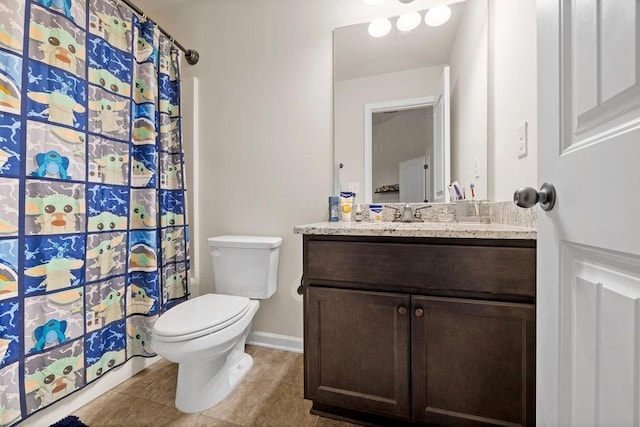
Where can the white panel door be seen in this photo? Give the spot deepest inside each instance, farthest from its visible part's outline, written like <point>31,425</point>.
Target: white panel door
<point>441,166</point>
<point>588,298</point>
<point>412,182</point>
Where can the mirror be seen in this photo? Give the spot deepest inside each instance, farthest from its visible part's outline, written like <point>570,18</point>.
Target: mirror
<point>394,138</point>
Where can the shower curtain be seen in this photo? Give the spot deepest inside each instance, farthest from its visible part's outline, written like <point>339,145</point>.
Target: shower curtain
<point>93,234</point>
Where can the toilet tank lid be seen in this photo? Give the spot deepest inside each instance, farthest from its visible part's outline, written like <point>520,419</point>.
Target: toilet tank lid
<point>257,242</point>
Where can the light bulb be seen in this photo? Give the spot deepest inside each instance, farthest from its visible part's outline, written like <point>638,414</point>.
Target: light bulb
<point>437,16</point>
<point>408,21</point>
<point>373,2</point>
<point>379,27</point>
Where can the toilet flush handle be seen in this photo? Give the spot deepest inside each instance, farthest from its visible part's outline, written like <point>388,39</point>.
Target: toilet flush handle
<point>300,290</point>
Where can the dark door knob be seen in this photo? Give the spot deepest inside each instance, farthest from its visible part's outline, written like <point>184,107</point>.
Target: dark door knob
<point>527,197</point>
<point>402,311</point>
<point>419,312</point>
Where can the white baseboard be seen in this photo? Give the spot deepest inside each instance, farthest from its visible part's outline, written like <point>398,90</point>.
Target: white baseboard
<point>72,403</point>
<point>276,341</point>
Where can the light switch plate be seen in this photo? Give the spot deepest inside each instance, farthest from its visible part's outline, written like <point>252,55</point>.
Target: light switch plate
<point>522,140</point>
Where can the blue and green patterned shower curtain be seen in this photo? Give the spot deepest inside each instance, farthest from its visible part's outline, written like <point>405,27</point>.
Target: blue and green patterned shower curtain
<point>93,234</point>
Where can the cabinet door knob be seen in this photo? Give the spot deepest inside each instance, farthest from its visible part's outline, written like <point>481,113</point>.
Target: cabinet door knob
<point>402,311</point>
<point>419,312</point>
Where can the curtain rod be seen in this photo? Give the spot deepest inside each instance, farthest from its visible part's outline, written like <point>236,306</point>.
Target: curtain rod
<point>192,56</point>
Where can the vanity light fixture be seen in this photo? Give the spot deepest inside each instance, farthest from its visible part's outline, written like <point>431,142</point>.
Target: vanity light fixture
<point>434,17</point>
<point>379,27</point>
<point>437,16</point>
<point>408,21</point>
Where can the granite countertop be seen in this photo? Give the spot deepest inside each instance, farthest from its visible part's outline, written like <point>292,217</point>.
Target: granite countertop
<point>419,229</point>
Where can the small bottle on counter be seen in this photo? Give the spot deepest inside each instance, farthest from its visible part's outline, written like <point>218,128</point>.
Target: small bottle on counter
<point>334,209</point>
<point>358,213</point>
<point>375,213</point>
<point>346,205</point>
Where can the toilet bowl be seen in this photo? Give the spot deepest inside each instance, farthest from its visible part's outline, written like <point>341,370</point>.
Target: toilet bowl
<point>206,335</point>
<point>211,358</point>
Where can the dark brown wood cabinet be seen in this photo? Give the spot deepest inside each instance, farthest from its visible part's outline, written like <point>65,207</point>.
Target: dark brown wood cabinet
<point>420,330</point>
<point>361,341</point>
<point>473,362</point>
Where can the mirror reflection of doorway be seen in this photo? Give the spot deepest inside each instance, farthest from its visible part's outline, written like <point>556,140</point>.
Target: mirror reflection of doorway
<point>402,146</point>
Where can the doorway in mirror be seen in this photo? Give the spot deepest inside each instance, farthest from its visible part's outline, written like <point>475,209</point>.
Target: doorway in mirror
<point>401,144</point>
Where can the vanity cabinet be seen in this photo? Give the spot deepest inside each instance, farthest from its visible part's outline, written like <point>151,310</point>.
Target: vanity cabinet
<point>420,330</point>
<point>362,352</point>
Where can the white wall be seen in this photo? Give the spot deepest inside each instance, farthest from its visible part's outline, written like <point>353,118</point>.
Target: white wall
<point>351,96</point>
<point>513,95</point>
<point>190,108</point>
<point>469,78</point>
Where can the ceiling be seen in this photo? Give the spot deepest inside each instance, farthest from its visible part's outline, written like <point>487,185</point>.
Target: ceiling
<point>357,54</point>
<point>149,6</point>
<point>388,5</point>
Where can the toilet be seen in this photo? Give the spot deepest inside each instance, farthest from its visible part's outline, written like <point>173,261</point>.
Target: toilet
<point>206,335</point>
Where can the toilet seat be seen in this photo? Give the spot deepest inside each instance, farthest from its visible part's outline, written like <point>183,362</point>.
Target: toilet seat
<point>200,316</point>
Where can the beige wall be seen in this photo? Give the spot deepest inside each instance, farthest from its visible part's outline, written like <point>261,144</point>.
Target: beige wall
<point>469,78</point>
<point>265,151</point>
<point>512,95</point>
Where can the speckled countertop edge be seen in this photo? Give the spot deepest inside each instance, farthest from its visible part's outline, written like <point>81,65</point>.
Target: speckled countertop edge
<point>425,229</point>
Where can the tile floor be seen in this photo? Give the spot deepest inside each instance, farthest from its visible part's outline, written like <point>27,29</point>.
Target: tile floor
<point>270,395</point>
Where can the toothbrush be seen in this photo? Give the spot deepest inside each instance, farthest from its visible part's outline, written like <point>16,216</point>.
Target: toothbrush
<point>457,190</point>
<point>473,199</point>
<point>452,193</point>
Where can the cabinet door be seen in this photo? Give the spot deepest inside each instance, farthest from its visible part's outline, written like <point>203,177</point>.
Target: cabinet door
<point>473,362</point>
<point>357,350</point>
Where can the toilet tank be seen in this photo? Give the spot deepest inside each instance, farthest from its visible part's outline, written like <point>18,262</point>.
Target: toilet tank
<point>245,265</point>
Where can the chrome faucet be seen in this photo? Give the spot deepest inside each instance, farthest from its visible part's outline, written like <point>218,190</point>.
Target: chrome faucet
<point>408,214</point>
